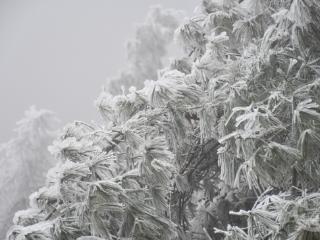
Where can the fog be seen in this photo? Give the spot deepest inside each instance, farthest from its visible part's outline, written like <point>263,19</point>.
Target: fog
<point>58,54</point>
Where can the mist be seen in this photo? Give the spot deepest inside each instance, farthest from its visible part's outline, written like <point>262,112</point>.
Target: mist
<point>58,54</point>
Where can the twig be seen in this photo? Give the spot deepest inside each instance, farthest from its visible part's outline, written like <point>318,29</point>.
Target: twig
<point>206,233</point>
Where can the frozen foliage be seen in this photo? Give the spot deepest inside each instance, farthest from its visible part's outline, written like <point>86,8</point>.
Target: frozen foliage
<point>223,145</point>
<point>146,52</point>
<point>24,162</point>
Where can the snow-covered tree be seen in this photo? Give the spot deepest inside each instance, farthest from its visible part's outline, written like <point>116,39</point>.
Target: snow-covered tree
<point>224,144</point>
<point>24,162</point>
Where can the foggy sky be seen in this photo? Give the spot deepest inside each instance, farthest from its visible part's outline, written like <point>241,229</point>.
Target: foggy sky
<point>57,54</point>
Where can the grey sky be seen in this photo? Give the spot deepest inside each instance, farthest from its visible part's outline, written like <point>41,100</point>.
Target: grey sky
<point>57,54</point>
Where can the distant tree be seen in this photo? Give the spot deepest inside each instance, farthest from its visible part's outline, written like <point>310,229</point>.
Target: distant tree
<point>146,52</point>
<point>224,144</point>
<point>24,162</point>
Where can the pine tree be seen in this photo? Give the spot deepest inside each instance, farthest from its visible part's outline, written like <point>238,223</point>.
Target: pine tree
<point>24,162</point>
<point>224,144</point>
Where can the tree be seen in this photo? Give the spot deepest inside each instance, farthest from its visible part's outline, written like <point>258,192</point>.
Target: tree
<point>146,52</point>
<point>25,161</point>
<point>222,145</point>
